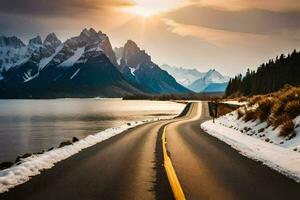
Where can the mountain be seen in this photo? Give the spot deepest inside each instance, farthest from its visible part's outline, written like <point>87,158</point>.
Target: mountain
<point>137,67</point>
<point>215,87</point>
<point>212,77</point>
<point>12,51</point>
<point>82,66</point>
<point>211,81</point>
<point>184,76</point>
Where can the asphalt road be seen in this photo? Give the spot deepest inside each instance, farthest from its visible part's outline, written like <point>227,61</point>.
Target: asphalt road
<point>129,166</point>
<point>210,169</point>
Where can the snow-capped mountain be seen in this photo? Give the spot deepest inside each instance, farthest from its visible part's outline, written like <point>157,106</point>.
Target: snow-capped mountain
<point>80,67</point>
<point>183,76</point>
<point>211,81</point>
<point>136,65</point>
<point>212,77</point>
<point>12,51</point>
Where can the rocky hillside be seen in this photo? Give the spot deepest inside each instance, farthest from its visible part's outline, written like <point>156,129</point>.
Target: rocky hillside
<point>138,68</point>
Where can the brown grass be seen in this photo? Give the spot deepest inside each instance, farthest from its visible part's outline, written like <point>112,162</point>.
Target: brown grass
<point>250,115</point>
<point>240,113</point>
<point>243,99</point>
<point>280,120</point>
<point>292,109</point>
<point>278,109</point>
<point>255,99</point>
<point>264,108</point>
<point>287,128</point>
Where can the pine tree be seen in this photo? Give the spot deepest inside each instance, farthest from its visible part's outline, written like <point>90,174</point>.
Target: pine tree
<point>268,77</point>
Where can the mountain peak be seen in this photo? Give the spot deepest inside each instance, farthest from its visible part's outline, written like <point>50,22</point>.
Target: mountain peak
<point>131,43</point>
<point>91,33</point>
<point>133,55</point>
<point>52,40</point>
<point>11,41</point>
<point>35,41</point>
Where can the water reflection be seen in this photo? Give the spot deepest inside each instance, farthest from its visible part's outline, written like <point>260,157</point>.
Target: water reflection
<point>34,125</point>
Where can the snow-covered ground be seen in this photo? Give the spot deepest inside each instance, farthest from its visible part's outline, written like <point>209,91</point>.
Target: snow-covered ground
<point>34,164</point>
<point>259,141</point>
<point>232,102</point>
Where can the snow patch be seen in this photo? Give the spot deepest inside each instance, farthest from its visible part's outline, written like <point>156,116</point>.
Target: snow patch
<point>75,73</point>
<point>73,59</point>
<point>28,78</point>
<point>132,70</point>
<point>232,102</point>
<point>45,61</point>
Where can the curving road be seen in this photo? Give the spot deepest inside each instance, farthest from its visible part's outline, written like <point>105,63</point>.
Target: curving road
<point>210,169</point>
<point>129,166</point>
<point>126,167</point>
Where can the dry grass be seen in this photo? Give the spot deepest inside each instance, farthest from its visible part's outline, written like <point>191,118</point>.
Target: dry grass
<point>240,112</point>
<point>278,108</point>
<point>292,109</point>
<point>255,99</point>
<point>279,120</point>
<point>223,110</point>
<point>264,108</point>
<point>243,99</point>
<point>250,115</point>
<point>287,128</point>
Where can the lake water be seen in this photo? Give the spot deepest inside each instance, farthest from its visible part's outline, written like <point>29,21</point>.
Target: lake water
<point>35,125</point>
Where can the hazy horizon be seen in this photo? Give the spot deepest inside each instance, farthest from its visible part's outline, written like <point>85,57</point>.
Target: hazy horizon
<point>229,36</point>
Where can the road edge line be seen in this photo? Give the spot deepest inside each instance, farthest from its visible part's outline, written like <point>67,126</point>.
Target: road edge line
<point>171,174</point>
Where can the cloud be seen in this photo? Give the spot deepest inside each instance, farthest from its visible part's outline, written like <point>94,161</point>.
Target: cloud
<point>56,8</point>
<point>219,38</point>
<point>255,21</point>
<point>273,5</point>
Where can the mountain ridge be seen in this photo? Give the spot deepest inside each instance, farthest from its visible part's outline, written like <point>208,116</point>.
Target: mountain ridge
<point>137,66</point>
<point>82,66</point>
<point>210,81</point>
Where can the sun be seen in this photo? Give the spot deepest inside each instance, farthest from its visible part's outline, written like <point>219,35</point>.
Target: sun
<point>147,8</point>
<point>144,12</point>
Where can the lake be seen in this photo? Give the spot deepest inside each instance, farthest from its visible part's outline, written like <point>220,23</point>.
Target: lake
<point>35,125</point>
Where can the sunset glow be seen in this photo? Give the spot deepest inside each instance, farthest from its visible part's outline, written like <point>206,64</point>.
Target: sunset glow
<point>148,8</point>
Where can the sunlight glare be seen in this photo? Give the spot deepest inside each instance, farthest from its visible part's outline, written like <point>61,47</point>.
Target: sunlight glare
<point>148,8</point>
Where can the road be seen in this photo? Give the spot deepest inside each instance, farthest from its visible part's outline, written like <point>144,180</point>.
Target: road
<point>210,169</point>
<point>129,166</point>
<point>126,167</point>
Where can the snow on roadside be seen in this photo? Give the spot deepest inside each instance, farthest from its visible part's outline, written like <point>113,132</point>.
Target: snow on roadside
<point>232,102</point>
<point>258,141</point>
<point>34,164</point>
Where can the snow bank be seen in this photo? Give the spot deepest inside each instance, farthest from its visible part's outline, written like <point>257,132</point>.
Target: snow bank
<point>34,164</point>
<point>259,142</point>
<point>236,103</point>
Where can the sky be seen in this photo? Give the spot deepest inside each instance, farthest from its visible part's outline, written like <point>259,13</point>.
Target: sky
<point>227,35</point>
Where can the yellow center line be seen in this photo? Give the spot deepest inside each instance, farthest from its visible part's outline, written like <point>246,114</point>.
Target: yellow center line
<point>174,182</point>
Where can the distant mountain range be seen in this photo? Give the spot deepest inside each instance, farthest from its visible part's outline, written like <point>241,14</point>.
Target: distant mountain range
<point>136,66</point>
<point>211,81</point>
<point>82,66</point>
